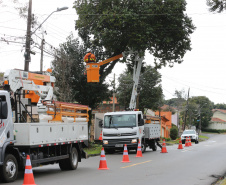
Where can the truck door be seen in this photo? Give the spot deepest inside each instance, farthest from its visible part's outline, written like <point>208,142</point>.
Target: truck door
<point>141,126</point>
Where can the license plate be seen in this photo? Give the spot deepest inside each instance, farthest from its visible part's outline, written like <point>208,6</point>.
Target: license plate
<point>119,145</point>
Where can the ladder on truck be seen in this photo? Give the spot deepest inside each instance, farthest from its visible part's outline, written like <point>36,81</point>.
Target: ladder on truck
<point>136,76</point>
<point>66,112</point>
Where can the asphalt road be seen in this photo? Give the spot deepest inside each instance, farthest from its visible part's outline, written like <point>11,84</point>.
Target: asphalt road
<point>199,164</point>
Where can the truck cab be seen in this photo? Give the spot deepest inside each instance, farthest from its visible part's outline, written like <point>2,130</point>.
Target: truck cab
<point>119,128</point>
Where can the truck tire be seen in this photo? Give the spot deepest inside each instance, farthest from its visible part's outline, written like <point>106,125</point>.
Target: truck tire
<point>154,147</point>
<point>9,169</point>
<point>70,163</point>
<point>73,159</point>
<point>143,147</point>
<point>196,141</point>
<point>63,164</point>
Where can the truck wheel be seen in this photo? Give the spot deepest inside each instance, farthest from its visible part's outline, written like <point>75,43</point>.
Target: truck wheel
<point>143,147</point>
<point>73,159</point>
<point>63,165</point>
<point>154,147</point>
<point>196,141</point>
<point>9,169</point>
<point>70,163</point>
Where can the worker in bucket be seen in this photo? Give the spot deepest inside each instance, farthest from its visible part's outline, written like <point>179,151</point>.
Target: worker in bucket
<point>90,58</point>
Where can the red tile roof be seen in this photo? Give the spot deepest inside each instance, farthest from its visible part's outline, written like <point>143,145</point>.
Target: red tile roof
<point>217,120</point>
<point>220,110</point>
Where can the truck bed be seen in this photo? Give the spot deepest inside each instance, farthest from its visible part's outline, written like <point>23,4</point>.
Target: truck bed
<point>45,133</point>
<point>152,131</point>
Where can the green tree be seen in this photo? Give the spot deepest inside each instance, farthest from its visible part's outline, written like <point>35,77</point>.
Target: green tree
<point>150,89</point>
<point>69,69</point>
<point>161,27</point>
<point>216,5</point>
<point>199,110</point>
<point>173,132</point>
<point>220,106</point>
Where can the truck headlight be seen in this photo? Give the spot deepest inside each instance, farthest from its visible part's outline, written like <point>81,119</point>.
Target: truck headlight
<point>134,141</point>
<point>105,142</point>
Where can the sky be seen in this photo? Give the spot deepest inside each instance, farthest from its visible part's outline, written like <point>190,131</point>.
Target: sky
<point>203,69</point>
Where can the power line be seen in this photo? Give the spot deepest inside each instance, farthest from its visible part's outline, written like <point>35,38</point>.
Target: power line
<point>195,83</point>
<point>197,88</point>
<point>12,28</point>
<point>8,41</point>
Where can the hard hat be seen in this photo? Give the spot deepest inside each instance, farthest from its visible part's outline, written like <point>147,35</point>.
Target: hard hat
<point>89,57</point>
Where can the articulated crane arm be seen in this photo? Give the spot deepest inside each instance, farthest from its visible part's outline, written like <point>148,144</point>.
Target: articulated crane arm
<point>136,76</point>
<point>42,85</point>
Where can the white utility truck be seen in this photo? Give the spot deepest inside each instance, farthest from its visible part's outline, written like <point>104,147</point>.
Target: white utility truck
<point>128,127</point>
<point>59,135</point>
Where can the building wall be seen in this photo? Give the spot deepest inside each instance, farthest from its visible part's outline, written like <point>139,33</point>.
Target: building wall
<point>175,119</point>
<point>217,126</point>
<point>103,108</point>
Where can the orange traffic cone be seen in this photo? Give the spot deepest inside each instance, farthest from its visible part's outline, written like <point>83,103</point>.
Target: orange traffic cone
<point>164,147</point>
<point>100,137</point>
<point>139,151</point>
<point>180,146</point>
<point>28,175</point>
<point>125,158</point>
<point>186,143</point>
<point>103,162</point>
<point>190,141</point>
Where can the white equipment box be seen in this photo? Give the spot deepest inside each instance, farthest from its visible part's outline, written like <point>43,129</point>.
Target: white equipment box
<point>46,133</point>
<point>152,131</point>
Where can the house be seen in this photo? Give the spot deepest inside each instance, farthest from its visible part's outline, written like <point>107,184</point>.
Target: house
<point>107,106</point>
<point>218,120</point>
<point>166,123</point>
<point>175,114</point>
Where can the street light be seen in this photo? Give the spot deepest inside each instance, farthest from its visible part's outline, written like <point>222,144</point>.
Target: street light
<point>29,33</point>
<point>57,10</point>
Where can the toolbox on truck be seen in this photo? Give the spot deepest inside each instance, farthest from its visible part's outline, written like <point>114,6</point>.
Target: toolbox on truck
<point>45,133</point>
<point>152,130</point>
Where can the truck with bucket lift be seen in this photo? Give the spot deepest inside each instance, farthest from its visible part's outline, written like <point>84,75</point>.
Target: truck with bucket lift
<point>57,133</point>
<point>130,127</point>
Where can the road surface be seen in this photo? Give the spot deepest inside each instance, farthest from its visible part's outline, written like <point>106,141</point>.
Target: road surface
<point>199,164</point>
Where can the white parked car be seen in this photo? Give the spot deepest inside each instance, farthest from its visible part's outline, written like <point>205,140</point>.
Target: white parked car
<point>192,134</point>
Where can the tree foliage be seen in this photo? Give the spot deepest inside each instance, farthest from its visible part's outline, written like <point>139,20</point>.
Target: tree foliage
<point>216,5</point>
<point>198,109</point>
<point>150,89</point>
<point>220,106</point>
<point>161,27</point>
<point>179,101</point>
<point>69,68</point>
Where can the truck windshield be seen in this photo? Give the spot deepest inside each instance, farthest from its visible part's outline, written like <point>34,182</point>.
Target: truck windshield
<point>189,132</point>
<point>119,121</point>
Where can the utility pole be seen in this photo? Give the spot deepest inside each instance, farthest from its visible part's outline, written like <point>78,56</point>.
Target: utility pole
<point>28,39</point>
<point>42,46</point>
<point>113,109</point>
<point>186,111</point>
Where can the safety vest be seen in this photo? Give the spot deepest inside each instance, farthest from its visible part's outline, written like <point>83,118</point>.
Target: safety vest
<point>89,57</point>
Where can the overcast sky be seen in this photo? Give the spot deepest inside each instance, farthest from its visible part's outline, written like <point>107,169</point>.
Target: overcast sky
<point>203,69</point>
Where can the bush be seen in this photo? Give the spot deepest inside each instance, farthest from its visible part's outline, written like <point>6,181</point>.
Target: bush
<point>168,139</point>
<point>173,133</point>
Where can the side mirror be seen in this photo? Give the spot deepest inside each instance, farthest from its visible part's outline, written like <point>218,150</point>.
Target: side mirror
<point>3,110</point>
<point>101,123</point>
<point>141,122</point>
